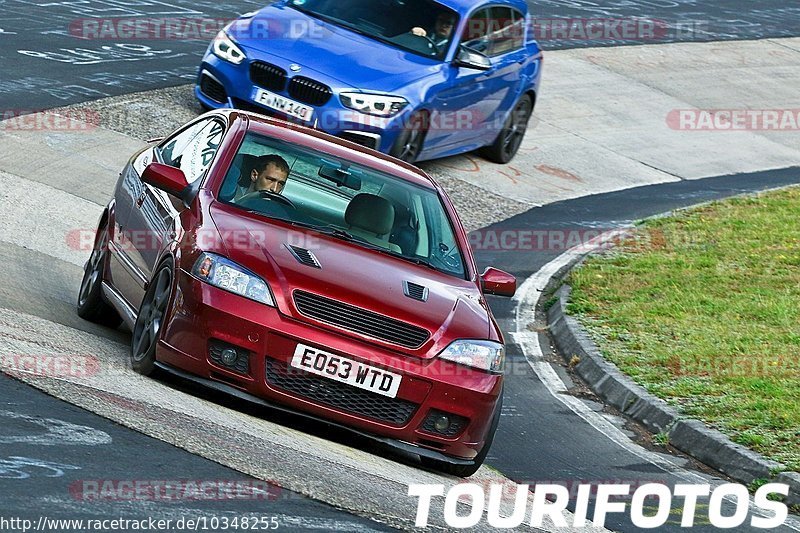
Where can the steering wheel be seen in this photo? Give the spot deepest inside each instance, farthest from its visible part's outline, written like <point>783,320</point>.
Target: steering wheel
<point>449,259</point>
<point>415,42</point>
<point>268,195</point>
<point>434,46</point>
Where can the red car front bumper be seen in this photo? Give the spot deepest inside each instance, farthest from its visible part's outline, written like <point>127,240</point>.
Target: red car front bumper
<point>204,317</point>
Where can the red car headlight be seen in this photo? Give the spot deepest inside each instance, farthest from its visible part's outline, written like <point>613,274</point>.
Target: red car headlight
<point>223,273</point>
<point>482,354</point>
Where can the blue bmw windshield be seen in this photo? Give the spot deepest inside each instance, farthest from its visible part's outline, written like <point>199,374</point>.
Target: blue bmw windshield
<point>423,27</point>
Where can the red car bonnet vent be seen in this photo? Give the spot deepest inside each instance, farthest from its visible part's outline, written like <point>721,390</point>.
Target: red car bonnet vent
<point>415,291</point>
<point>304,256</point>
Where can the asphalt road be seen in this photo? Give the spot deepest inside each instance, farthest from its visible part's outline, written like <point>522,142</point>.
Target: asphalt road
<point>59,462</point>
<point>49,58</point>
<point>44,65</point>
<point>539,439</point>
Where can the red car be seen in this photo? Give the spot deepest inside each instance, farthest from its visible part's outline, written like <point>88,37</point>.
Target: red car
<point>288,267</point>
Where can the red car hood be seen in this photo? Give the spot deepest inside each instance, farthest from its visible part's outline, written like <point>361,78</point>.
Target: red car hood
<point>354,275</point>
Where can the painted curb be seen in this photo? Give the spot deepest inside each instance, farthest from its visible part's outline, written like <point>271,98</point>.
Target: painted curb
<point>709,446</point>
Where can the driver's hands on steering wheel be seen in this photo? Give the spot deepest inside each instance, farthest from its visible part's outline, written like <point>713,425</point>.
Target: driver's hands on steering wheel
<point>419,32</point>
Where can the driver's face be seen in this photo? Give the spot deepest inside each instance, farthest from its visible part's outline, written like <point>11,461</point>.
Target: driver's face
<point>444,26</point>
<point>270,179</point>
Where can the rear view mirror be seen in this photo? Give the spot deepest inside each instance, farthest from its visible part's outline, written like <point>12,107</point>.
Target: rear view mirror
<point>341,176</point>
<point>471,59</point>
<point>497,282</point>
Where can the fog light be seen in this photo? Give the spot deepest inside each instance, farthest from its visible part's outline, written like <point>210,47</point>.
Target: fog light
<point>444,424</point>
<point>441,423</point>
<point>229,356</point>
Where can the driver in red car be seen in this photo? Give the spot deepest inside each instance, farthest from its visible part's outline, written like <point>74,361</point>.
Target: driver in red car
<point>269,173</point>
<point>441,32</point>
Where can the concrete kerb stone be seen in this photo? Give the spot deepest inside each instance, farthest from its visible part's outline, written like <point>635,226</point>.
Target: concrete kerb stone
<point>716,450</point>
<point>793,480</point>
<point>692,437</point>
<point>604,378</point>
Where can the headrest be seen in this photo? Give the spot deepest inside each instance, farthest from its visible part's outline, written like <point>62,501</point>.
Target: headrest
<point>370,213</point>
<point>399,199</point>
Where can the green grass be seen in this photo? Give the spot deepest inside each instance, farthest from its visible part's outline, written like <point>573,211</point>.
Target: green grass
<point>703,310</point>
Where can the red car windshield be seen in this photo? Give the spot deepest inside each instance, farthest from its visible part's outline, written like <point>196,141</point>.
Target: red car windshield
<point>343,199</point>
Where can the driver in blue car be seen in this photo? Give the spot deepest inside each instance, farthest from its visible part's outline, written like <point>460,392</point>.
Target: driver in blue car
<point>441,32</point>
<point>269,173</point>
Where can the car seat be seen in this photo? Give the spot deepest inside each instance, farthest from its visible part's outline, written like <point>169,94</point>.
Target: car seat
<point>405,229</point>
<point>371,218</point>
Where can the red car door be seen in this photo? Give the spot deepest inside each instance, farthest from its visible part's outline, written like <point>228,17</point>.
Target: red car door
<point>153,222</point>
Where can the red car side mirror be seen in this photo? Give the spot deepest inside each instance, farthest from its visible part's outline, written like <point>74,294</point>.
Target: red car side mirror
<point>497,282</point>
<point>166,178</point>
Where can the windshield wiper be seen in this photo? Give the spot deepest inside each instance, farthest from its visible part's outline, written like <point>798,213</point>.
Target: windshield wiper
<point>342,234</point>
<point>416,260</point>
<point>339,233</point>
<point>419,261</point>
<point>347,236</point>
<point>286,220</point>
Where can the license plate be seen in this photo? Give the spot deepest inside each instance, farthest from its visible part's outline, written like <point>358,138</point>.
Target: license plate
<point>283,104</point>
<point>346,370</point>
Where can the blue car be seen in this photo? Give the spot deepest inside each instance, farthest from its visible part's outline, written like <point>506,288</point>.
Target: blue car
<point>417,79</point>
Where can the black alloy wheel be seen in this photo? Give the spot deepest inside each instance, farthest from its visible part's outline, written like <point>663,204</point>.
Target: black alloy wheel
<point>149,322</point>
<point>409,144</point>
<point>508,141</point>
<point>91,305</point>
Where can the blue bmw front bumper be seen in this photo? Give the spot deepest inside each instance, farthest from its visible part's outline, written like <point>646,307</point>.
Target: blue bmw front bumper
<point>223,85</point>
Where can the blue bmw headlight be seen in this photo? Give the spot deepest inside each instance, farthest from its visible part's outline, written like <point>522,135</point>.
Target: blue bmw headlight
<point>374,104</point>
<point>227,50</point>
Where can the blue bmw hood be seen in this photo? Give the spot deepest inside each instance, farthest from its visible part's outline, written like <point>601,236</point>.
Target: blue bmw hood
<point>356,61</point>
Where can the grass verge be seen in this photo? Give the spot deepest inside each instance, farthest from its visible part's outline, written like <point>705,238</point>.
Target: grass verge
<point>703,310</point>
